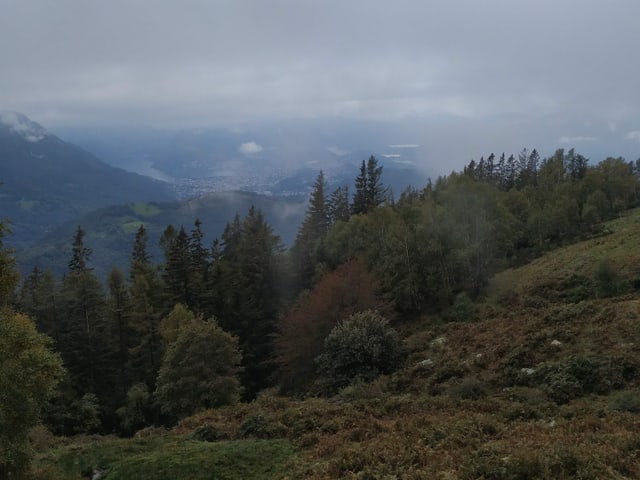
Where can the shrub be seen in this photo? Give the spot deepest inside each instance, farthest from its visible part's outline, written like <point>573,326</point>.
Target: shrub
<point>359,349</point>
<point>606,278</point>
<point>568,312</point>
<point>462,309</point>
<point>208,433</point>
<point>625,401</point>
<point>258,426</point>
<point>577,376</point>
<point>135,413</point>
<point>470,388</point>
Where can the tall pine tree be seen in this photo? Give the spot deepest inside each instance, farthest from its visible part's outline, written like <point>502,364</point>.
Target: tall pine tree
<point>306,250</point>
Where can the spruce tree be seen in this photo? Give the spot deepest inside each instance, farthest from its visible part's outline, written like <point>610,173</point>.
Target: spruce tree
<point>338,205</point>
<point>370,192</point>
<point>87,344</point>
<point>177,271</point>
<point>119,309</point>
<point>199,258</point>
<point>248,294</point>
<point>139,253</point>
<point>146,298</point>
<point>305,252</point>
<point>81,255</point>
<point>360,202</point>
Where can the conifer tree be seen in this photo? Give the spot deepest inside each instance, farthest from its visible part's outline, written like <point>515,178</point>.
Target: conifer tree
<point>177,271</point>
<point>248,297</point>
<point>81,255</point>
<point>338,205</point>
<point>119,315</point>
<point>40,299</point>
<point>199,258</point>
<point>139,253</point>
<point>8,274</point>
<point>305,252</point>
<point>86,344</point>
<point>360,202</point>
<point>146,293</point>
<point>369,190</point>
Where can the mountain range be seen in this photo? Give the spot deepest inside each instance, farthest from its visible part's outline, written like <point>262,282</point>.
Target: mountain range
<point>47,181</point>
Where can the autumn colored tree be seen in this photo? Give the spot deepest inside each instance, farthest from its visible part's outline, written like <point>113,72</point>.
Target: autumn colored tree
<point>303,328</point>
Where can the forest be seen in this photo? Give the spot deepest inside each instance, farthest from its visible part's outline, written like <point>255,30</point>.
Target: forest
<point>214,325</point>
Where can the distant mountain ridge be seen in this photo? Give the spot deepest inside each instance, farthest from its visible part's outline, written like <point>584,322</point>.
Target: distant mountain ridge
<point>47,181</point>
<point>276,158</point>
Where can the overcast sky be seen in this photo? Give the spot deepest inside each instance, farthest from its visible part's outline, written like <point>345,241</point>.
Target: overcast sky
<point>552,72</point>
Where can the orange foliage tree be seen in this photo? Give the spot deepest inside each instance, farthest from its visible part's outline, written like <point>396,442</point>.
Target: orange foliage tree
<point>302,329</point>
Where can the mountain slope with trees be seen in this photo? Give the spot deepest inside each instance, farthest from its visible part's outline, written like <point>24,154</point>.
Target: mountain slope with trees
<point>46,181</point>
<point>111,230</point>
<point>488,309</point>
<point>522,384</point>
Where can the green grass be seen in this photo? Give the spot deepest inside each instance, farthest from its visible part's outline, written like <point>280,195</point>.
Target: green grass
<point>146,210</point>
<point>573,267</point>
<point>131,226</point>
<point>28,205</point>
<point>170,458</point>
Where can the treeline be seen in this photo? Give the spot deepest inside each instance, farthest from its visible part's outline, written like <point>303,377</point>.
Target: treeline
<point>165,339</point>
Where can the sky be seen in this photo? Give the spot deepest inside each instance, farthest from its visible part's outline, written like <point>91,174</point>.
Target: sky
<point>467,77</point>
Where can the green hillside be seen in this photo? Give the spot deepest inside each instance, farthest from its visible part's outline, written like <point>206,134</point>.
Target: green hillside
<point>111,230</point>
<point>46,182</point>
<point>537,379</point>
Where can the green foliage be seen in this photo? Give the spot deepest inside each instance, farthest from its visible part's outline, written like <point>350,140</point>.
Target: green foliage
<point>208,433</point>
<point>172,325</point>
<point>569,312</point>
<point>625,401</point>
<point>29,371</point>
<point>606,278</point>
<point>369,190</point>
<point>259,426</point>
<point>359,348</point>
<point>306,250</point>
<point>469,388</point>
<point>146,305</point>
<point>245,293</point>
<point>137,410</point>
<point>8,274</point>
<point>463,309</point>
<point>162,458</point>
<point>146,209</point>
<point>576,376</point>
<point>199,371</point>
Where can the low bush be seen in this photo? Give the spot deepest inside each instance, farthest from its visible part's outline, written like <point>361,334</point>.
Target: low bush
<point>625,401</point>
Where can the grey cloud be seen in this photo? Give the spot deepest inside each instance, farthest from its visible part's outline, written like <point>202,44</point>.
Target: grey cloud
<point>500,63</point>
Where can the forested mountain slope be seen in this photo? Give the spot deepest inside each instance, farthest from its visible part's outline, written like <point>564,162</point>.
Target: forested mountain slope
<point>536,379</point>
<point>110,231</point>
<point>46,181</point>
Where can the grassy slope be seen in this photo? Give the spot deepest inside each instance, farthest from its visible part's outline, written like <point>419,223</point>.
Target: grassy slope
<point>543,384</point>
